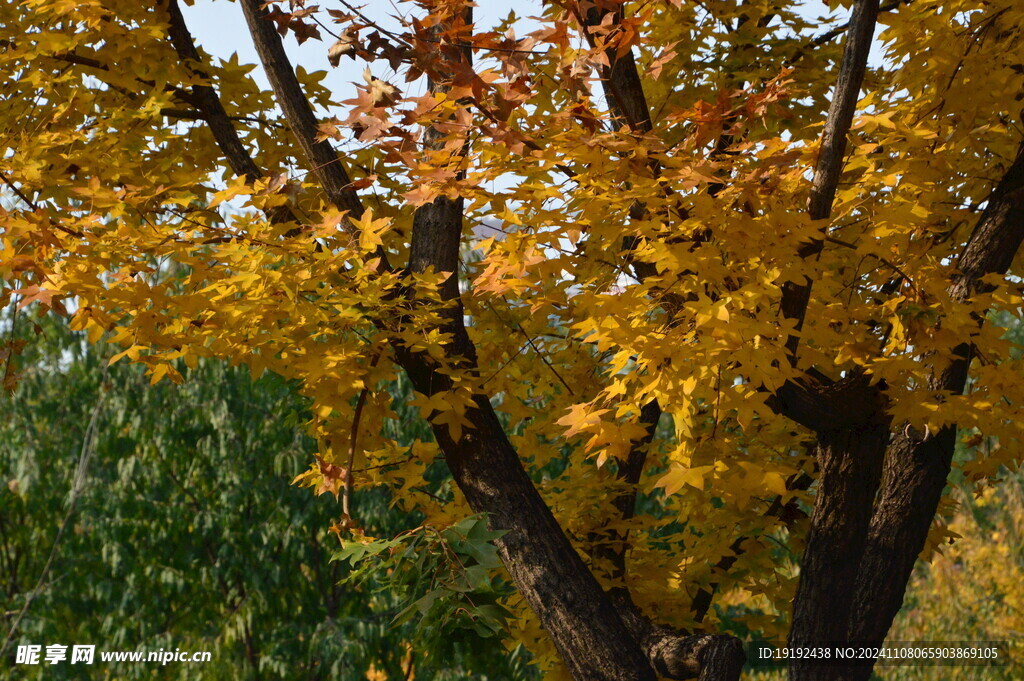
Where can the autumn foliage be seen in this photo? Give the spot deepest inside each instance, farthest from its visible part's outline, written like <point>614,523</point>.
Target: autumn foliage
<point>697,298</point>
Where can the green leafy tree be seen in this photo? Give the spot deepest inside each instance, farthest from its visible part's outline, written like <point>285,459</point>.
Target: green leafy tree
<point>186,533</point>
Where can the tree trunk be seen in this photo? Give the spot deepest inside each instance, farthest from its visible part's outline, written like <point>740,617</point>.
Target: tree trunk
<point>915,476</point>
<point>591,638</point>
<point>850,463</point>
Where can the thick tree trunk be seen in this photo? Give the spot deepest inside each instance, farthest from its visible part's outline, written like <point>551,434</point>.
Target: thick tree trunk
<point>591,638</point>
<point>914,480</point>
<point>850,464</point>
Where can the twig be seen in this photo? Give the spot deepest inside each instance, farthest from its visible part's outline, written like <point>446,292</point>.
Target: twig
<point>346,499</point>
<point>884,261</point>
<point>17,192</point>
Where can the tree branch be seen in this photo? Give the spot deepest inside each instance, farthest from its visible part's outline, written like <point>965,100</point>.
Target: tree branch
<point>211,110</point>
<point>322,158</point>
<point>814,401</point>
<point>611,545</point>
<point>795,296</point>
<point>620,78</point>
<point>677,654</point>
<point>672,653</point>
<point>993,245</point>
<point>787,512</point>
<point>89,62</point>
<point>822,405</point>
<point>206,99</point>
<point>840,114</point>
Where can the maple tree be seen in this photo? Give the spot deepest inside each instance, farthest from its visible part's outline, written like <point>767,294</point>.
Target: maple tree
<point>664,276</point>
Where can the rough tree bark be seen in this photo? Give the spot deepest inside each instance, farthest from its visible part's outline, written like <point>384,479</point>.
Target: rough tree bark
<point>795,295</point>
<point>849,464</point>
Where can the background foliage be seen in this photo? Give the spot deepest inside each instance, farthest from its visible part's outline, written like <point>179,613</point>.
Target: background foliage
<point>188,534</point>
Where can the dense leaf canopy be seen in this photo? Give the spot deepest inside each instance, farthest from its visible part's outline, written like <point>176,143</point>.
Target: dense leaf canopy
<point>719,219</point>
